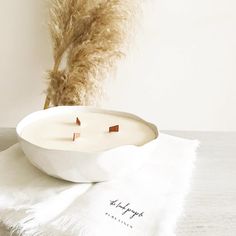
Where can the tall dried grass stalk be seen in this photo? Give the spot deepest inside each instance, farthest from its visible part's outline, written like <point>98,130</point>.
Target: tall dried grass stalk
<point>89,36</point>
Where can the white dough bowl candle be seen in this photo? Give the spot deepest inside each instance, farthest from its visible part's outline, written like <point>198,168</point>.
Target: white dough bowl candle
<point>85,144</point>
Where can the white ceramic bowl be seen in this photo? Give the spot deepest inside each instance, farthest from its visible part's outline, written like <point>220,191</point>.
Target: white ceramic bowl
<point>79,166</point>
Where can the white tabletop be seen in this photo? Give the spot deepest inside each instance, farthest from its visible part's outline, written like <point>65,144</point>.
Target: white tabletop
<point>210,207</point>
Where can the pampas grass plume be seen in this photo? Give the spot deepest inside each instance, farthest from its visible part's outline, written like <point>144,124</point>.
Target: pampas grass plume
<point>89,36</point>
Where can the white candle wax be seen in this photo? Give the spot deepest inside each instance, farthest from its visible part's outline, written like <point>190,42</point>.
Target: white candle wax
<point>56,131</point>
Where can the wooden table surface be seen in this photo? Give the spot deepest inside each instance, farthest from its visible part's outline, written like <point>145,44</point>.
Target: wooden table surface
<point>210,207</point>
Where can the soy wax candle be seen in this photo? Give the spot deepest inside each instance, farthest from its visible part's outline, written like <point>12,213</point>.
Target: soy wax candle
<point>91,131</point>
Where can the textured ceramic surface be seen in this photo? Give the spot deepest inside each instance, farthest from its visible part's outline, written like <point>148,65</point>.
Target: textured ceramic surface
<point>88,166</point>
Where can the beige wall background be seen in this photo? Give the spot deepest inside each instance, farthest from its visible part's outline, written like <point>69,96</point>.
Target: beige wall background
<point>182,73</point>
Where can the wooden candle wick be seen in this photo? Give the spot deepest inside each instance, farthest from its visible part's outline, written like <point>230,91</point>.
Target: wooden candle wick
<point>78,122</point>
<point>75,136</point>
<point>114,128</point>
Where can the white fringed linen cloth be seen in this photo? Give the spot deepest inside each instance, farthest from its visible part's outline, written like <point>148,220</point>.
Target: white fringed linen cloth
<point>145,203</point>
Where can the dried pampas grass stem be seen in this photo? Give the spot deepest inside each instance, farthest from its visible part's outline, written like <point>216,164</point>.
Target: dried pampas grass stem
<point>88,37</point>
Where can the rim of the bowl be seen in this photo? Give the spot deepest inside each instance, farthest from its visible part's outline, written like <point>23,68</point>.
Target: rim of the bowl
<point>21,124</point>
